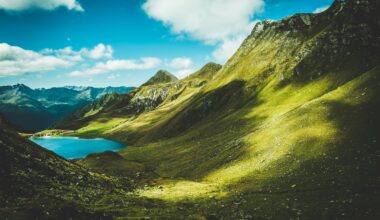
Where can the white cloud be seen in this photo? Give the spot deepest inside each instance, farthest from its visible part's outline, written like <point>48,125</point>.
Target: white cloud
<point>180,63</point>
<point>21,5</point>
<point>184,73</point>
<point>214,21</point>
<point>66,53</point>
<point>321,9</point>
<point>100,51</point>
<point>113,76</point>
<point>117,65</point>
<point>17,61</point>
<point>227,48</point>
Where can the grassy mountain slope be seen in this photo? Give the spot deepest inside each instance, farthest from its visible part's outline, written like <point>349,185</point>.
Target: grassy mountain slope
<point>288,128</point>
<point>112,110</point>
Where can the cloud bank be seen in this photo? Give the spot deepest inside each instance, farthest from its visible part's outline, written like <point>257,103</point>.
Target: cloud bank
<point>86,62</point>
<point>180,63</point>
<point>208,21</point>
<point>117,65</point>
<point>180,74</point>
<point>22,5</point>
<point>17,61</point>
<point>100,51</point>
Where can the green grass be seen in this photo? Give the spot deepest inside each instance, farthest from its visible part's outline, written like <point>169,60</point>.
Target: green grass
<point>286,129</point>
<point>288,149</point>
<point>98,127</point>
<point>300,155</point>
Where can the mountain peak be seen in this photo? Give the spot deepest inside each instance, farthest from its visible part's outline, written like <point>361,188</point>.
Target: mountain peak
<point>212,65</point>
<point>162,76</point>
<point>20,85</point>
<point>22,88</point>
<point>207,71</point>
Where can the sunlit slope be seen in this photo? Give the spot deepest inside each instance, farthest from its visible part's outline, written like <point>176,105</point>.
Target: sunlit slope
<point>279,59</point>
<point>290,122</point>
<point>322,154</point>
<point>289,127</point>
<point>106,116</point>
<point>113,104</point>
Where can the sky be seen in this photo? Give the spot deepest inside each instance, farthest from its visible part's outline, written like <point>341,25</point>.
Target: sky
<point>52,43</point>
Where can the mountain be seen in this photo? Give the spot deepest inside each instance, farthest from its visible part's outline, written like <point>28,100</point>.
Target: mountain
<point>162,76</point>
<point>286,129</point>
<point>146,98</point>
<point>96,93</point>
<point>37,109</point>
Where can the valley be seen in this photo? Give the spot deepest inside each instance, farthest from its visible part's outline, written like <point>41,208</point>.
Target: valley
<point>288,128</point>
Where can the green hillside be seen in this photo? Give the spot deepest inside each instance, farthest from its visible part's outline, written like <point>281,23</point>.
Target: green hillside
<point>288,128</point>
<point>113,110</point>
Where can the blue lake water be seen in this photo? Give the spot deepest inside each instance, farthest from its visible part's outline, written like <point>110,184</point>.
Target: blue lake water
<point>72,147</point>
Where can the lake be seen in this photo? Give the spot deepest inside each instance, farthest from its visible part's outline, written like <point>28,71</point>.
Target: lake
<point>73,147</point>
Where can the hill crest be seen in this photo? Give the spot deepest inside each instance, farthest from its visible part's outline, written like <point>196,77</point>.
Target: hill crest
<point>162,76</point>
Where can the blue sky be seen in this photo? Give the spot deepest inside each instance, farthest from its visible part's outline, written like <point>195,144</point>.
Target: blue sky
<point>46,43</point>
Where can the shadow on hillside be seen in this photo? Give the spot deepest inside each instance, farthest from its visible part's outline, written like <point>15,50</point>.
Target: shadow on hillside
<point>213,105</point>
<point>333,176</point>
<point>225,108</point>
<point>341,181</point>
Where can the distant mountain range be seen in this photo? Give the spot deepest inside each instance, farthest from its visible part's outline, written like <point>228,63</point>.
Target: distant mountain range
<point>32,110</point>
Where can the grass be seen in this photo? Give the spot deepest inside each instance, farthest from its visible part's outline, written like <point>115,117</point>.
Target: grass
<point>285,129</point>
<point>288,149</point>
<point>98,127</point>
<point>295,159</point>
